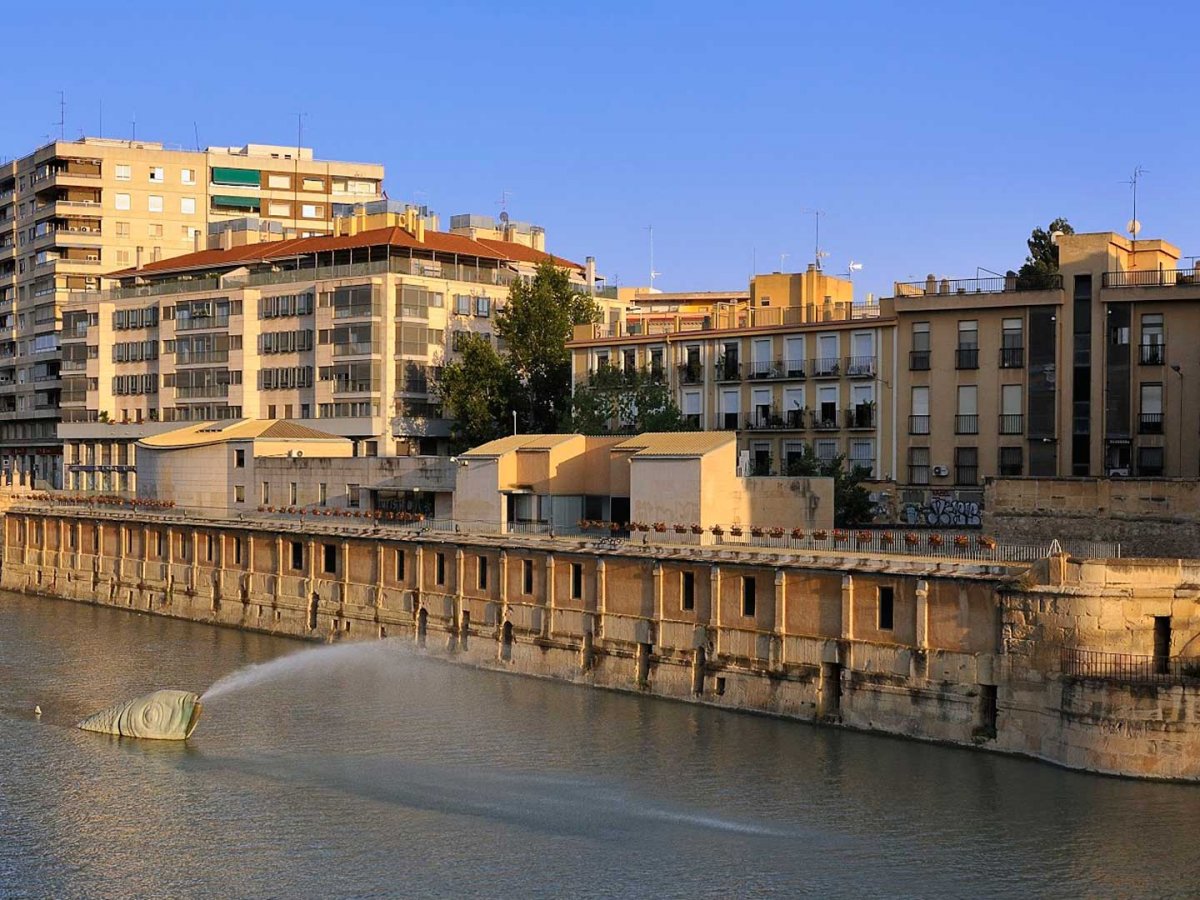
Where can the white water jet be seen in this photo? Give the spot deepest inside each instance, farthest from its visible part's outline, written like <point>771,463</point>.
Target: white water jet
<point>294,664</point>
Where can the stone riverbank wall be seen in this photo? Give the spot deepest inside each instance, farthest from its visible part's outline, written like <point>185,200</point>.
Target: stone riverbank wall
<point>1039,660</point>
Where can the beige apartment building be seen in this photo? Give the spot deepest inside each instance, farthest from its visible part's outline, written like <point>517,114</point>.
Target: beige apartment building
<point>350,329</point>
<point>794,362</point>
<point>72,211</point>
<point>1098,375</point>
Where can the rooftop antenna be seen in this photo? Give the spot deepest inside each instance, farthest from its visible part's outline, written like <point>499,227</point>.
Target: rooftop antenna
<point>1133,226</point>
<point>818,254</point>
<point>100,132</point>
<point>62,116</point>
<point>133,125</point>
<point>653,273</point>
<point>196,134</point>
<point>852,268</point>
<point>504,195</point>
<point>782,257</point>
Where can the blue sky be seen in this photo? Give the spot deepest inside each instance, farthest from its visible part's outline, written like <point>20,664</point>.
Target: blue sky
<point>932,135</point>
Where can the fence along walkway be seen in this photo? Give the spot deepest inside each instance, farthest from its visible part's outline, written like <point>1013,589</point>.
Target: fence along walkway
<point>1130,668</point>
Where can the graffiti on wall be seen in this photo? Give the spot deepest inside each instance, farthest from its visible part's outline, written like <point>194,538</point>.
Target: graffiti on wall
<point>943,512</point>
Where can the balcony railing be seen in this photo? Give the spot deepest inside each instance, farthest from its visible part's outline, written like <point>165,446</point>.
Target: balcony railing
<point>202,391</point>
<point>690,373</point>
<point>966,475</point>
<point>918,424</point>
<point>918,360</point>
<point>728,371</point>
<point>860,366</point>
<point>824,421</point>
<point>793,368</point>
<point>761,420</point>
<point>1012,357</point>
<point>356,348</point>
<point>1128,667</point>
<point>199,322</point>
<point>966,358</point>
<point>826,367</point>
<point>936,286</point>
<point>966,424</point>
<point>796,418</point>
<point>1151,278</point>
<point>861,416</point>
<point>1012,424</point>
<point>1150,423</point>
<point>1152,354</point>
<point>199,357</point>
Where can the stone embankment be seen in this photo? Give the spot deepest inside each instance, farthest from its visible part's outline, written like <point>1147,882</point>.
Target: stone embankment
<point>1062,660</point>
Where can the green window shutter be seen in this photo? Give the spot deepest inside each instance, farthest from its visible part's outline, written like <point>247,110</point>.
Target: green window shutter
<point>240,177</point>
<point>230,202</point>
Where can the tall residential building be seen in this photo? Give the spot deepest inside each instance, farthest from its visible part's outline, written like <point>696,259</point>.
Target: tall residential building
<point>793,362</point>
<point>350,328</point>
<point>1096,375</point>
<point>72,211</point>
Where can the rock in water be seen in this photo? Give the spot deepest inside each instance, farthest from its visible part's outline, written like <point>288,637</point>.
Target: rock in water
<point>163,715</point>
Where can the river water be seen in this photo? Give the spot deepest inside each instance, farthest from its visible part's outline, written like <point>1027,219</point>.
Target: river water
<point>369,771</point>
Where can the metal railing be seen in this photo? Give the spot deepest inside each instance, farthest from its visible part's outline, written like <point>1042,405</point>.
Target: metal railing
<point>861,416</point>
<point>1129,668</point>
<point>826,366</point>
<point>966,358</point>
<point>860,366</point>
<point>934,286</point>
<point>1012,424</point>
<point>918,424</point>
<point>1150,423</point>
<point>966,424</point>
<point>918,360</point>
<point>1012,357</point>
<point>1152,354</point>
<point>200,322</point>
<point>1151,278</point>
<point>728,371</point>
<point>690,374</point>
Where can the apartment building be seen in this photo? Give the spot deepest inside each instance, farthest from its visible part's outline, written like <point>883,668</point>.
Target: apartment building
<point>350,328</point>
<point>794,362</point>
<point>71,211</point>
<point>1096,375</point>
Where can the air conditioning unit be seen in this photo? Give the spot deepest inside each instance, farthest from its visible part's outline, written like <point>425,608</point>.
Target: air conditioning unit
<point>1119,472</point>
<point>941,471</point>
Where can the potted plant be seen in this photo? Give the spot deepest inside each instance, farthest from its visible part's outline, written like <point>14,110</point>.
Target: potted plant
<point>660,527</point>
<point>776,532</point>
<point>885,538</point>
<point>756,530</point>
<point>987,543</point>
<point>798,534</point>
<point>735,530</point>
<point>717,530</point>
<point>697,529</point>
<point>680,529</point>
<point>912,538</point>
<point>935,540</point>
<point>839,536</point>
<point>864,537</point>
<point>961,541</point>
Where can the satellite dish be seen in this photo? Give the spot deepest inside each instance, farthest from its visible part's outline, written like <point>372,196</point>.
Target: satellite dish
<point>1054,236</point>
<point>1133,226</point>
<point>504,217</point>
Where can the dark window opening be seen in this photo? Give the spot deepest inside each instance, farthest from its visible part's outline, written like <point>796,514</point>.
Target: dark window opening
<point>399,565</point>
<point>887,608</point>
<point>576,581</point>
<point>483,573</point>
<point>689,590</point>
<point>297,555</point>
<point>527,576</point>
<point>439,576</point>
<point>748,596</point>
<point>329,552</point>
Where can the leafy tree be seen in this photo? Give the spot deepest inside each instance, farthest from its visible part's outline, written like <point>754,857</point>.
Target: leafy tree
<point>1041,265</point>
<point>478,391</point>
<point>535,325</point>
<point>851,500</point>
<point>616,401</point>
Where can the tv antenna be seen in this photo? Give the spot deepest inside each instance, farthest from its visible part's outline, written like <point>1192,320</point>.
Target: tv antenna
<point>852,268</point>
<point>818,253</point>
<point>653,273</point>
<point>1133,226</point>
<point>782,257</point>
<point>504,195</point>
<point>62,116</point>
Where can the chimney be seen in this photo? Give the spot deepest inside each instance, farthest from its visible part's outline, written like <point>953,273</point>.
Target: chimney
<point>419,232</point>
<point>226,238</point>
<point>139,258</point>
<point>591,275</point>
<point>196,241</point>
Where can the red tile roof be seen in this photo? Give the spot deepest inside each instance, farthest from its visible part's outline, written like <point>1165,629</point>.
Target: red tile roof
<point>395,236</point>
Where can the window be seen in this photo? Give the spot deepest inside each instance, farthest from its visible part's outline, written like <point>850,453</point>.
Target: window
<point>156,175</point>
<point>329,552</point>
<point>918,420</point>
<point>1150,415</point>
<point>967,419</point>
<point>1153,350</point>
<point>462,304</point>
<point>1150,461</point>
<point>311,211</point>
<point>527,576</point>
<point>239,459</point>
<point>483,573</point>
<point>208,548</point>
<point>124,172</point>
<point>687,598</point>
<point>918,357</point>
<point>293,493</point>
<point>483,306</point>
<point>439,568</point>
<point>576,581</point>
<point>123,228</point>
<point>187,176</point>
<point>748,597</point>
<point>1012,421</point>
<point>1012,461</point>
<point>155,229</point>
<point>266,492</point>
<point>237,551</point>
<point>187,205</point>
<point>966,465</point>
<point>297,555</point>
<point>887,608</point>
<point>322,493</point>
<point>279,182</point>
<point>352,495</point>
<point>967,354</point>
<point>121,201</point>
<point>239,493</point>
<point>279,208</point>
<point>313,184</point>
<point>1012,344</point>
<point>399,565</point>
<point>155,203</point>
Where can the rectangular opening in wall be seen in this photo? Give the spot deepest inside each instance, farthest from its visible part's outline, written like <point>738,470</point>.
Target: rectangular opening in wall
<point>988,710</point>
<point>439,574</point>
<point>527,576</point>
<point>399,565</point>
<point>576,581</point>
<point>208,547</point>
<point>887,608</point>
<point>748,596</point>
<point>158,544</point>
<point>329,562</point>
<point>1162,644</point>
<point>237,551</point>
<point>297,555</point>
<point>688,598</point>
<point>831,689</point>
<point>483,573</point>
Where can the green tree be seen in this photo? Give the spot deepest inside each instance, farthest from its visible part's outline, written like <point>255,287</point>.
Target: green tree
<point>1041,265</point>
<point>535,325</point>
<point>851,501</point>
<point>478,391</point>
<point>616,401</point>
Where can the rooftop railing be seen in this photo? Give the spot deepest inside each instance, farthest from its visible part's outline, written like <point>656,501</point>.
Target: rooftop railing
<point>1004,284</point>
<point>1129,668</point>
<point>1135,278</point>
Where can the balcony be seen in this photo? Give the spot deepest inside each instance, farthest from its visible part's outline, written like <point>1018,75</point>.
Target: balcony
<point>918,360</point>
<point>1150,423</point>
<point>861,416</point>
<point>201,392</point>
<point>827,367</point>
<point>931,286</point>
<point>966,358</point>
<point>196,357</point>
<point>1012,424</point>
<point>825,421</point>
<point>728,370</point>
<point>796,418</point>
<point>355,348</point>
<point>966,424</point>
<point>860,366</point>
<point>690,373</point>
<point>1012,357</point>
<point>764,419</point>
<point>918,424</point>
<point>762,370</point>
<point>1142,278</point>
<point>1152,354</point>
<point>198,322</point>
<point>359,311</point>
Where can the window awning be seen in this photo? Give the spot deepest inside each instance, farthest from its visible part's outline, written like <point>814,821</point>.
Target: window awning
<point>246,177</point>
<point>236,202</point>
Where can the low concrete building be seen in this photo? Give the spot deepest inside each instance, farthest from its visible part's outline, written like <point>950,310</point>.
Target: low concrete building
<point>554,481</point>
<point>211,466</point>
